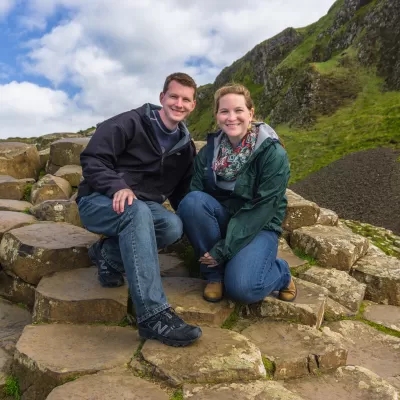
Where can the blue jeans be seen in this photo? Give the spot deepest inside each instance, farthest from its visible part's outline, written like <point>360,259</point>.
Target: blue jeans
<point>133,239</point>
<point>254,272</point>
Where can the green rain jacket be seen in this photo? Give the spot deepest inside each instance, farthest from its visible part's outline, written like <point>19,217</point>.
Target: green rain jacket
<point>258,201</point>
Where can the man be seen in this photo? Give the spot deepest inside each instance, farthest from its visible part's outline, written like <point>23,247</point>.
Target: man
<point>132,164</point>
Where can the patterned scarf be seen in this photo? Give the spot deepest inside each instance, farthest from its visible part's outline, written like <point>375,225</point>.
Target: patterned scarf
<point>230,160</point>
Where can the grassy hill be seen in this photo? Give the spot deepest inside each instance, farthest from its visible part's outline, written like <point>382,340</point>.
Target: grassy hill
<point>328,89</point>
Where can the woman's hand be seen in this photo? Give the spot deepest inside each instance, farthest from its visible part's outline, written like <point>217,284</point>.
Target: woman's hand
<point>209,260</point>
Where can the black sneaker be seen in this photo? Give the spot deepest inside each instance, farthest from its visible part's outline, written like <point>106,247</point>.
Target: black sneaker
<point>108,276</point>
<point>169,329</point>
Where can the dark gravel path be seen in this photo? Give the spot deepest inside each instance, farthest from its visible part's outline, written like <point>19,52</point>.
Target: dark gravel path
<point>363,186</point>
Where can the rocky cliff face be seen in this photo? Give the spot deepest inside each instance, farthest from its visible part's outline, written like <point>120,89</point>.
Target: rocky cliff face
<point>302,73</point>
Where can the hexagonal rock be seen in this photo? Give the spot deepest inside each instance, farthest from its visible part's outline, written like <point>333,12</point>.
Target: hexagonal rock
<point>368,347</point>
<point>286,253</point>
<point>77,297</point>
<point>44,156</point>
<point>71,173</point>
<point>381,274</point>
<point>16,290</point>
<point>13,319</point>
<point>300,212</point>
<point>14,205</point>
<point>49,355</point>
<point>103,386</point>
<point>327,217</point>
<point>44,141</point>
<point>186,297</point>
<point>332,246</point>
<point>257,390</point>
<point>342,287</point>
<point>34,251</point>
<point>5,364</point>
<point>11,188</point>
<point>57,211</point>
<point>388,316</point>
<point>11,220</point>
<point>219,355</point>
<point>172,266</point>
<point>66,152</point>
<point>50,188</point>
<point>296,350</point>
<point>19,160</point>
<point>350,382</point>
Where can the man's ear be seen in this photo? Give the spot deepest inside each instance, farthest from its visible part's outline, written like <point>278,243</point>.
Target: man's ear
<point>194,104</point>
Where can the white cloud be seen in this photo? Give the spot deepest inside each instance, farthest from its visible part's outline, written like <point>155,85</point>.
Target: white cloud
<point>6,6</point>
<point>117,54</point>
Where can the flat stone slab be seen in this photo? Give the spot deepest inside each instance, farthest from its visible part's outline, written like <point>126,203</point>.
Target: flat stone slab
<point>388,316</point>
<point>296,350</point>
<point>11,220</point>
<point>49,355</point>
<point>286,253</point>
<point>341,286</point>
<point>50,188</point>
<point>71,173</point>
<point>104,386</point>
<point>34,251</point>
<point>218,356</point>
<point>20,160</point>
<point>172,266</point>
<point>57,211</point>
<point>77,297</point>
<point>13,319</point>
<point>331,246</point>
<point>14,205</point>
<point>327,217</point>
<point>16,290</point>
<point>381,274</point>
<point>350,382</point>
<point>369,348</point>
<point>11,188</point>
<point>299,212</point>
<point>186,296</point>
<point>257,390</point>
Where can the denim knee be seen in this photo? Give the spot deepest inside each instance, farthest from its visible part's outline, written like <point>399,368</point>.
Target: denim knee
<point>190,203</point>
<point>138,209</point>
<point>239,292</point>
<point>172,230</point>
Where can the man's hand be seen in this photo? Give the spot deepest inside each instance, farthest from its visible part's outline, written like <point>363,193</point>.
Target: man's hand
<point>119,199</point>
<point>209,260</point>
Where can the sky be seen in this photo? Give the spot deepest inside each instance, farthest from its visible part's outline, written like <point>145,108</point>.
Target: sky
<point>66,65</point>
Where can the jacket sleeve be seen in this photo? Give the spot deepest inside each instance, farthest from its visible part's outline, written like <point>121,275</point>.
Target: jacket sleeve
<point>183,186</point>
<point>198,171</point>
<point>274,176</point>
<point>99,158</point>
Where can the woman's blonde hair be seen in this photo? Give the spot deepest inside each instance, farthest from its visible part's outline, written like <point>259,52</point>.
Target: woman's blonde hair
<point>233,89</point>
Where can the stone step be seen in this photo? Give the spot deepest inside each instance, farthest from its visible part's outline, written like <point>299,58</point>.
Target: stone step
<point>5,368</point>
<point>218,356</point>
<point>50,188</point>
<point>36,250</point>
<point>49,355</point>
<point>381,274</point>
<point>331,246</point>
<point>12,219</point>
<point>106,386</point>
<point>57,211</point>
<point>368,347</point>
<point>71,173</point>
<point>186,297</point>
<point>77,297</point>
<point>327,217</point>
<point>257,390</point>
<point>172,266</point>
<point>14,205</point>
<point>16,290</point>
<point>341,286</point>
<point>286,253</point>
<point>388,316</point>
<point>296,350</point>
<point>349,382</point>
<point>13,319</point>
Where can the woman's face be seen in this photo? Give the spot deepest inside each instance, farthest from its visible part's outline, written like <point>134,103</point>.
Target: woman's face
<point>233,117</point>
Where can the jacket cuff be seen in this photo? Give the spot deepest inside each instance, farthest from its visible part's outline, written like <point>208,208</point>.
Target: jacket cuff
<point>115,188</point>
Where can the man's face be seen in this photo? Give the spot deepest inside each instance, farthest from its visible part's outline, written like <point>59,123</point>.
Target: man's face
<point>177,102</point>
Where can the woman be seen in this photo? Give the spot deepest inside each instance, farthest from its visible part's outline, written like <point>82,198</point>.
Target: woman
<point>233,213</point>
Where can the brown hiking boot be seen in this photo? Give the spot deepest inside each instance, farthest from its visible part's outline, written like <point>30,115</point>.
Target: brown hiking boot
<point>213,292</point>
<point>288,294</point>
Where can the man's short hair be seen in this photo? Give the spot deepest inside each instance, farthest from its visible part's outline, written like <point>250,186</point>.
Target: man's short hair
<point>183,79</point>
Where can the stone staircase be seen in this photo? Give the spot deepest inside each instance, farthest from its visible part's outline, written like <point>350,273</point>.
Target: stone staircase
<point>63,336</point>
